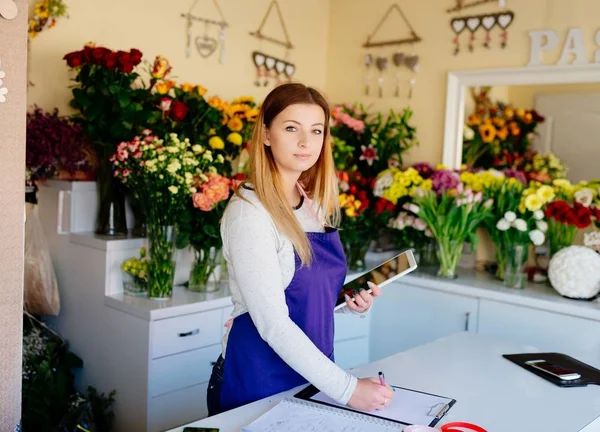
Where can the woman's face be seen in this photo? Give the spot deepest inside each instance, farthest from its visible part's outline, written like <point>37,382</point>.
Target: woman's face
<point>296,137</point>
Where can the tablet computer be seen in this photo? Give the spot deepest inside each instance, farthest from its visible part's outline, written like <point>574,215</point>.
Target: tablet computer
<point>381,275</point>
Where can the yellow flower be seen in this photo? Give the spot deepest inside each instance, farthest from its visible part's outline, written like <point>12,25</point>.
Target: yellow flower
<point>502,133</point>
<point>163,87</point>
<point>216,143</point>
<point>342,199</point>
<point>474,120</point>
<point>546,193</point>
<point>488,133</point>
<point>533,203</point>
<point>187,87</point>
<point>201,90</point>
<point>212,131</point>
<point>441,167</point>
<point>427,185</point>
<point>215,102</point>
<point>520,112</point>
<point>350,212</point>
<point>160,68</point>
<point>173,189</point>
<point>252,114</point>
<point>41,9</point>
<point>509,113</point>
<point>562,183</point>
<point>235,124</point>
<point>235,138</point>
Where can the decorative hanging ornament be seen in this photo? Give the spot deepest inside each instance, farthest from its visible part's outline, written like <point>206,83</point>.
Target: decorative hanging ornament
<point>267,66</point>
<point>458,25</point>
<point>504,20</point>
<point>473,24</point>
<point>398,60</point>
<point>206,45</point>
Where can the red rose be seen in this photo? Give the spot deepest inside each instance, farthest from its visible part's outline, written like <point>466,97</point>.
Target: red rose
<point>88,54</point>
<point>136,56</point>
<point>74,59</point>
<point>125,62</point>
<point>178,111</point>
<point>110,60</point>
<point>98,55</point>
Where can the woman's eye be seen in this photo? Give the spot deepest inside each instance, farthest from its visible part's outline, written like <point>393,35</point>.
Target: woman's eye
<point>290,129</point>
<point>318,131</point>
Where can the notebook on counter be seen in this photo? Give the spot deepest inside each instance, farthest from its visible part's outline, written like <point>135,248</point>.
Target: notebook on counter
<point>312,410</point>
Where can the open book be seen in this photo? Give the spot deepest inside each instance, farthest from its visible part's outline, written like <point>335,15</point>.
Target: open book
<point>309,411</point>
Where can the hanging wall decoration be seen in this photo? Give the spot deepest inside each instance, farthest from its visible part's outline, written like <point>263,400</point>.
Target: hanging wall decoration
<point>8,9</point>
<point>486,22</point>
<point>459,5</point>
<point>269,68</point>
<point>205,44</point>
<point>3,90</point>
<point>399,59</point>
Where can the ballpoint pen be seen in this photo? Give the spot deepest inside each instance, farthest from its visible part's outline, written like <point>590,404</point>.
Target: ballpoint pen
<point>382,380</point>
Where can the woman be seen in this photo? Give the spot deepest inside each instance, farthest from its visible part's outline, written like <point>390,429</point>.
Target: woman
<point>287,265</point>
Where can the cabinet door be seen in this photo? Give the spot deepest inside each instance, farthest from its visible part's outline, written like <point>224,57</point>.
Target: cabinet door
<point>544,330</point>
<point>406,316</point>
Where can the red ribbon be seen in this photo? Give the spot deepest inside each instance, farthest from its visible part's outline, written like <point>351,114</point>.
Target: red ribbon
<point>449,427</point>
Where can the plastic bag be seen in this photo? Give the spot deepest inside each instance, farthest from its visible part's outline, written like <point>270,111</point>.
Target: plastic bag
<point>40,286</point>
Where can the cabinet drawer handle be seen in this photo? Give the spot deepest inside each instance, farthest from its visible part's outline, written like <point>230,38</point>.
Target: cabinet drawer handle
<point>190,333</point>
<point>467,319</point>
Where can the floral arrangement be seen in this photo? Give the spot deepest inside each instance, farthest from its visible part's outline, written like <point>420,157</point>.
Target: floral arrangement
<point>56,147</point>
<point>50,401</point>
<point>452,212</point>
<point>545,168</point>
<point>45,14</point>
<point>363,215</point>
<point>137,268</point>
<point>164,174</point>
<point>568,208</point>
<point>370,143</point>
<point>199,227</point>
<point>500,136</point>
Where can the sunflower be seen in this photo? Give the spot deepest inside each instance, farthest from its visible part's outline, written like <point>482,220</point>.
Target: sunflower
<point>235,124</point>
<point>487,132</point>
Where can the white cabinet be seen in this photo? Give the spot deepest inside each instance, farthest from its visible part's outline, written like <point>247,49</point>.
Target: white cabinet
<point>406,316</point>
<point>547,331</point>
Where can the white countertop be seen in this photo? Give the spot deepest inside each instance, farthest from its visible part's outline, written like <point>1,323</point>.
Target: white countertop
<point>490,391</point>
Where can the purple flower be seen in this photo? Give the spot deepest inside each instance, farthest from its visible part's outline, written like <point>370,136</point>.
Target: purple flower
<point>515,173</point>
<point>424,169</point>
<point>444,180</point>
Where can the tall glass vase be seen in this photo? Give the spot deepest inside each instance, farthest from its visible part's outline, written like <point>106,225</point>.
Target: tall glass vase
<point>560,235</point>
<point>449,253</point>
<point>161,268</point>
<point>203,277</point>
<point>515,266</point>
<point>355,255</point>
<point>110,219</point>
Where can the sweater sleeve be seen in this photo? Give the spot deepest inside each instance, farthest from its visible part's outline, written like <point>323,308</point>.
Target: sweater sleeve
<point>256,268</point>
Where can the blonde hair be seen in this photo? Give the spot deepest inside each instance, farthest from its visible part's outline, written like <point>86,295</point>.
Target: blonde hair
<point>319,182</point>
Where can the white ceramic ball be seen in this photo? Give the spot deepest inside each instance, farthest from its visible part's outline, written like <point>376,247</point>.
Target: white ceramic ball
<point>575,272</point>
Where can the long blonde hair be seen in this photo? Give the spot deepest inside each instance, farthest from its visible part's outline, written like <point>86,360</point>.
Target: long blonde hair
<point>319,182</point>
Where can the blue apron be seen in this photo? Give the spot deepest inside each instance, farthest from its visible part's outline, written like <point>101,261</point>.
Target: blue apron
<point>252,370</point>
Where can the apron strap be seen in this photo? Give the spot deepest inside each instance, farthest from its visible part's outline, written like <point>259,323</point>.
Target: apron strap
<point>309,202</point>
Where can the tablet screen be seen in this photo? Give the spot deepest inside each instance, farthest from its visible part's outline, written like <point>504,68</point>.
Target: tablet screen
<point>383,274</point>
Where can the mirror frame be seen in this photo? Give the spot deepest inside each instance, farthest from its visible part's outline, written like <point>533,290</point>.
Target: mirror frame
<point>459,81</point>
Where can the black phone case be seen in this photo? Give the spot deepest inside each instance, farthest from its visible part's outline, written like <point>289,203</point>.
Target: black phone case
<point>589,374</point>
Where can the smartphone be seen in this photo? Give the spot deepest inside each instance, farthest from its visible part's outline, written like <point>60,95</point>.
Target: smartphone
<point>381,275</point>
<point>554,370</point>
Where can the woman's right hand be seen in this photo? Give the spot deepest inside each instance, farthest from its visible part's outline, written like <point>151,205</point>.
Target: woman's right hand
<point>370,395</point>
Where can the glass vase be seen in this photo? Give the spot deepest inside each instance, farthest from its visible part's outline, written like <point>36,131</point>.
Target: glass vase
<point>133,286</point>
<point>203,277</point>
<point>355,255</point>
<point>515,266</point>
<point>161,268</point>
<point>449,253</point>
<point>426,252</point>
<point>560,235</point>
<point>110,219</point>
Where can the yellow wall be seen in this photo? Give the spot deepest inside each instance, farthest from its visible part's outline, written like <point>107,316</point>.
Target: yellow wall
<point>155,27</point>
<point>352,20</point>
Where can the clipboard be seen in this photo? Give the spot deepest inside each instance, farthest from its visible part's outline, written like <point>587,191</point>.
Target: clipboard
<point>408,406</point>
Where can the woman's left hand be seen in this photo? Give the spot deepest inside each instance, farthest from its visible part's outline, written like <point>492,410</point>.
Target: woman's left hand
<point>363,299</point>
